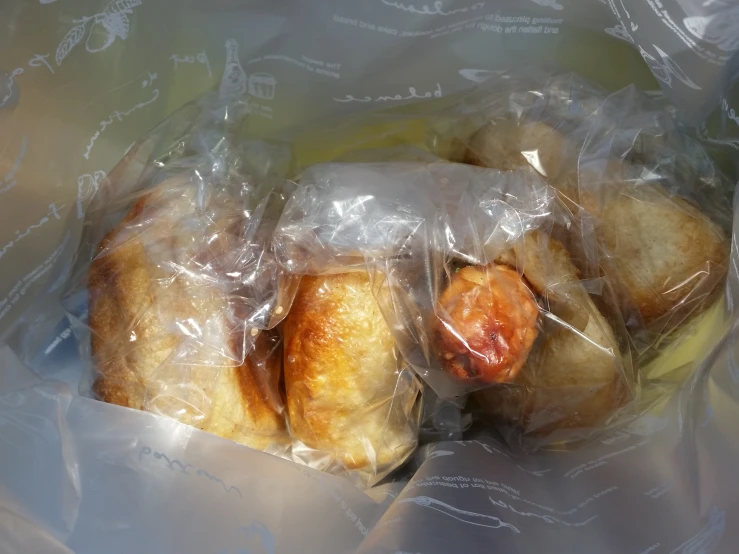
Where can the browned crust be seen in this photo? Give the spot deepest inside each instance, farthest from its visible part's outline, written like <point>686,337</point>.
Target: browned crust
<point>313,350</point>
<point>692,250</point>
<point>120,307</point>
<point>257,379</point>
<point>104,290</point>
<point>493,318</point>
<point>340,373</point>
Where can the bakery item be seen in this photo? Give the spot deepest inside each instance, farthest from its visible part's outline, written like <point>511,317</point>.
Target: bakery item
<point>486,324</point>
<point>506,144</point>
<point>576,377</point>
<point>166,339</point>
<point>664,255</point>
<point>346,395</point>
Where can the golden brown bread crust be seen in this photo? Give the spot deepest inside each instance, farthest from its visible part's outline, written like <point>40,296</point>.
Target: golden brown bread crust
<point>486,325</point>
<point>341,375</point>
<point>665,255</point>
<point>576,378</point>
<point>665,252</point>
<point>504,144</point>
<point>143,362</point>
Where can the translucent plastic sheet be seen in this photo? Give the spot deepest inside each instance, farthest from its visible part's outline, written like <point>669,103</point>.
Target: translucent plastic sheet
<point>411,226</point>
<point>181,290</point>
<point>558,350</point>
<point>184,298</point>
<point>649,193</point>
<point>81,81</point>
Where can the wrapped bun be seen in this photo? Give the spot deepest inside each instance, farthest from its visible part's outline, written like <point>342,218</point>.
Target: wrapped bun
<point>576,378</point>
<point>664,255</point>
<point>347,395</point>
<point>170,342</point>
<point>661,250</point>
<point>506,145</point>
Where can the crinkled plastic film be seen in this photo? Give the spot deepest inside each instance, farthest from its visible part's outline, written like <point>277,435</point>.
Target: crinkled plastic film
<point>353,403</point>
<point>598,202</point>
<point>178,300</point>
<point>628,173</point>
<point>562,285</point>
<point>182,292</point>
<point>472,278</point>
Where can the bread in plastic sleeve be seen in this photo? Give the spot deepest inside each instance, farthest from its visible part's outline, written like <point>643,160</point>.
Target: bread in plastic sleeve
<point>576,377</point>
<point>505,144</point>
<point>663,253</point>
<point>148,355</point>
<point>346,393</point>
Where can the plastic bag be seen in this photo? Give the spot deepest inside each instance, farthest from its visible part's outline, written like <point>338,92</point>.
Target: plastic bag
<point>475,287</point>
<point>185,297</point>
<point>612,297</point>
<point>100,75</point>
<point>182,291</point>
<point>629,175</point>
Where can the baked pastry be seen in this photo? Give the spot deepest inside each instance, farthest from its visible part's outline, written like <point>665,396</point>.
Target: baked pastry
<point>664,255</point>
<point>576,377</point>
<point>346,395</point>
<point>486,324</point>
<point>667,255</point>
<point>167,340</point>
<point>506,144</point>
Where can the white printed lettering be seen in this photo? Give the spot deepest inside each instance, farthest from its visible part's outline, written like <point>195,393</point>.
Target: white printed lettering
<point>36,61</point>
<point>201,58</point>
<point>412,94</point>
<point>438,8</point>
<point>119,116</point>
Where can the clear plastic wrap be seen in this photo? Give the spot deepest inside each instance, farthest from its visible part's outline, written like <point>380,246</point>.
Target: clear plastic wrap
<point>546,287</point>
<point>80,83</point>
<point>353,404</point>
<point>472,271</point>
<point>178,300</point>
<point>656,203</point>
<point>653,204</point>
<point>181,287</point>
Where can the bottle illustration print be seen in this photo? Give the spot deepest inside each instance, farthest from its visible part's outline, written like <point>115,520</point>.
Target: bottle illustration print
<point>233,82</point>
<point>619,31</point>
<point>106,26</point>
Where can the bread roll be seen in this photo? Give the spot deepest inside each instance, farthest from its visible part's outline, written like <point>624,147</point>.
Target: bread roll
<point>664,255</point>
<point>576,377</point>
<point>506,144</point>
<point>166,341</point>
<point>663,251</point>
<point>345,394</point>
